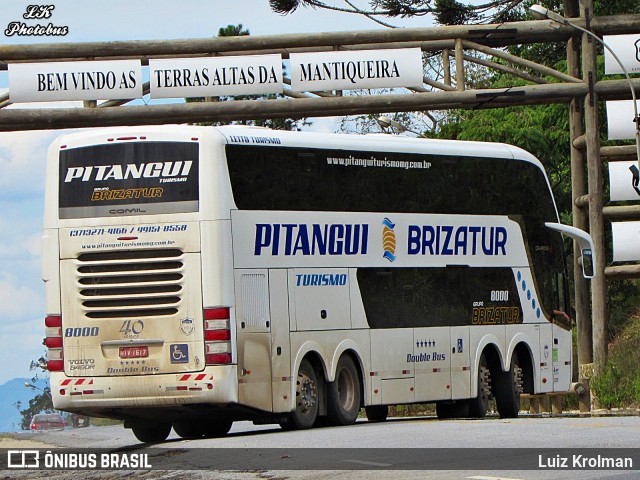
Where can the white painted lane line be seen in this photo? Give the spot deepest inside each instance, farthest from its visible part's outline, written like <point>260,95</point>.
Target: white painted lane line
<point>372,464</point>
<point>493,478</point>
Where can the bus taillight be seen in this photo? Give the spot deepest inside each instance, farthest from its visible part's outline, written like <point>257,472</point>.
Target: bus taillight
<point>217,335</point>
<point>53,342</point>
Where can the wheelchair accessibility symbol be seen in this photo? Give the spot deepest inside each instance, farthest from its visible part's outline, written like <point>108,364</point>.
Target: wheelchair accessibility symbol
<point>179,353</point>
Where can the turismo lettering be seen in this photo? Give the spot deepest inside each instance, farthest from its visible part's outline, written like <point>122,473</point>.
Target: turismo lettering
<point>321,280</point>
<point>451,240</point>
<point>316,239</point>
<point>131,170</point>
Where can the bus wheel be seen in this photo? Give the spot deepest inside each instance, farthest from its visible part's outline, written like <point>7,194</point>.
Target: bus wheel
<point>377,413</point>
<point>508,389</point>
<point>478,406</point>
<point>219,428</point>
<point>151,433</point>
<point>343,403</point>
<point>306,412</point>
<point>456,409</point>
<point>188,429</point>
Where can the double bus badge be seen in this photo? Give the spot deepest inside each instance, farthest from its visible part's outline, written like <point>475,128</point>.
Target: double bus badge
<point>186,326</point>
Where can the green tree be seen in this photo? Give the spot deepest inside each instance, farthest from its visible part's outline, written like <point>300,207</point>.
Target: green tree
<point>233,31</point>
<point>446,12</point>
<point>41,403</point>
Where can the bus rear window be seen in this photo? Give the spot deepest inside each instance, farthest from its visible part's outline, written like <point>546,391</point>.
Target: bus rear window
<point>137,178</point>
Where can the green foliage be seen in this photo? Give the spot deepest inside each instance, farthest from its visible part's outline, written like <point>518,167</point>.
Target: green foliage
<point>618,384</point>
<point>623,298</point>
<point>233,31</point>
<point>452,12</point>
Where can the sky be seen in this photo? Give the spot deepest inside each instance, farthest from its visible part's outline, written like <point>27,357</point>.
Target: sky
<point>23,154</point>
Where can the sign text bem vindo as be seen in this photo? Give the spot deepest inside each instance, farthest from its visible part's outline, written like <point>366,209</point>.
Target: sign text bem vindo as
<point>97,80</point>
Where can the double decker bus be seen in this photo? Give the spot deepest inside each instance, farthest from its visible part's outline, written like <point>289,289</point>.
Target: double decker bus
<point>197,276</point>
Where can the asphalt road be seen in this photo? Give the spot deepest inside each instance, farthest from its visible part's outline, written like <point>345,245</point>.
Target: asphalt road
<point>418,447</point>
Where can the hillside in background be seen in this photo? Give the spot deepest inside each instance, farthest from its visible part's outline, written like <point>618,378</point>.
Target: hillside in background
<point>12,392</point>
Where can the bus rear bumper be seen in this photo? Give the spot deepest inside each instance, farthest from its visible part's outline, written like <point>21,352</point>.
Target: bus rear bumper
<point>213,385</point>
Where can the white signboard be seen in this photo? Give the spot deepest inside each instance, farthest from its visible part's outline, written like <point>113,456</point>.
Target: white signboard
<point>620,120</point>
<point>322,239</point>
<point>624,180</point>
<point>100,80</point>
<point>626,241</point>
<point>627,48</point>
<point>353,70</point>
<point>202,77</point>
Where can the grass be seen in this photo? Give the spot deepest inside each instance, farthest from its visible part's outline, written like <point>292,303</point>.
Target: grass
<point>618,384</point>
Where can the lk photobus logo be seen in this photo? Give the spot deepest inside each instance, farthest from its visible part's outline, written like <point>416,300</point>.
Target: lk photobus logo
<point>36,12</point>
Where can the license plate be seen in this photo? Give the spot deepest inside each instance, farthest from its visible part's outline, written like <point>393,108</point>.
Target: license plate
<point>134,352</point>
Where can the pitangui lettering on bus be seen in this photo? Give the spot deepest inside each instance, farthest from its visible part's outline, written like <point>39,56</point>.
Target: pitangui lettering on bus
<point>131,170</point>
<point>315,239</point>
<point>456,240</point>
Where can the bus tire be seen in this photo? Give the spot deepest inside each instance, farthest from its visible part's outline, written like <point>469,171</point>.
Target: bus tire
<point>188,429</point>
<point>508,387</point>
<point>151,432</point>
<point>307,399</point>
<point>456,409</point>
<point>219,428</point>
<point>377,413</point>
<point>343,400</point>
<point>479,405</point>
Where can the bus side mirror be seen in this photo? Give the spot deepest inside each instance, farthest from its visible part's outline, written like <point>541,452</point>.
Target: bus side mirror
<point>587,263</point>
<point>587,254</point>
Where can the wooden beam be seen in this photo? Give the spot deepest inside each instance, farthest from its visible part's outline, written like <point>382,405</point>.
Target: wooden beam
<point>505,69</point>
<point>599,314</point>
<point>621,212</point>
<point>522,62</point>
<point>584,335</point>
<point>30,119</point>
<point>620,152</point>
<point>502,34</point>
<point>620,272</point>
<point>459,65</point>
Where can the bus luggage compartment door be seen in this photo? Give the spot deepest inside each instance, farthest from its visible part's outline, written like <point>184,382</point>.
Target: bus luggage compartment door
<point>280,340</point>
<point>253,326</point>
<point>561,356</point>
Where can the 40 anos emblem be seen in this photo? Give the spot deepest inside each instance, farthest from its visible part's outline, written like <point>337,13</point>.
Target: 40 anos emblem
<point>187,326</point>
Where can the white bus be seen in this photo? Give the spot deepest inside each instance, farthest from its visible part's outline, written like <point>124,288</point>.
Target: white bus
<point>196,276</point>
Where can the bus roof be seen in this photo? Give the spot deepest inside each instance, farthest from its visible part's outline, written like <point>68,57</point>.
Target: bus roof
<point>372,142</point>
<point>240,134</point>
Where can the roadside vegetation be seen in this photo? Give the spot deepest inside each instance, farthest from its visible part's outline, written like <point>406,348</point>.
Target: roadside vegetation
<point>618,385</point>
